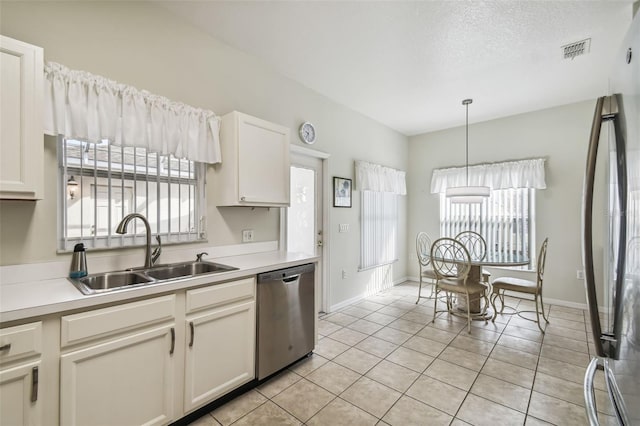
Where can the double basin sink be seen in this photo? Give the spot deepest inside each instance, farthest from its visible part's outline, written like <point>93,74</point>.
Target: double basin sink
<point>111,281</point>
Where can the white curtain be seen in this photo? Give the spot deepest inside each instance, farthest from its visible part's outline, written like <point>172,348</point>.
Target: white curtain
<point>83,106</point>
<point>374,177</point>
<point>509,174</point>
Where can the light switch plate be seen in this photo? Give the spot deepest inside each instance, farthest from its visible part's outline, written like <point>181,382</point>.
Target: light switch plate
<point>344,227</point>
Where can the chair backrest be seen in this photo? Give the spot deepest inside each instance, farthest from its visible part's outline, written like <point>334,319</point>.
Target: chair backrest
<point>423,247</point>
<point>450,258</point>
<point>475,244</point>
<point>542,257</point>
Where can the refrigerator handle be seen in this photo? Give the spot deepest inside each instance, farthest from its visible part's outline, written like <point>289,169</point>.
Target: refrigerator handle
<point>621,176</point>
<point>587,227</point>
<point>589,391</point>
<point>614,395</point>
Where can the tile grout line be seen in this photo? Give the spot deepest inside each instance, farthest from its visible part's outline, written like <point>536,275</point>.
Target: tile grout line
<point>535,373</point>
<point>399,314</point>
<point>479,372</point>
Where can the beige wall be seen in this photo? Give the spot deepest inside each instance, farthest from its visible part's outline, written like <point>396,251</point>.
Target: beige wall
<point>142,45</point>
<point>558,134</point>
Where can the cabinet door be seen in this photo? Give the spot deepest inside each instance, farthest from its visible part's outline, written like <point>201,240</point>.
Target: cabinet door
<point>220,353</point>
<point>21,120</point>
<point>19,402</point>
<point>263,161</point>
<point>124,381</point>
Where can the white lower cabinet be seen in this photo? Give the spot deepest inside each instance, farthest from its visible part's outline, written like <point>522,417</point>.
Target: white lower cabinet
<point>220,341</point>
<point>125,375</point>
<point>19,403</point>
<point>20,369</point>
<point>128,364</point>
<point>126,381</point>
<point>221,357</point>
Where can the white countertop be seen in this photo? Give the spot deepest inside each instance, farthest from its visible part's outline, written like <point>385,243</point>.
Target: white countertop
<point>19,301</point>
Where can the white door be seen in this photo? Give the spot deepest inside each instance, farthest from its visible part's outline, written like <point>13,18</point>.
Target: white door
<point>304,227</point>
<point>124,381</point>
<point>220,352</point>
<point>19,403</point>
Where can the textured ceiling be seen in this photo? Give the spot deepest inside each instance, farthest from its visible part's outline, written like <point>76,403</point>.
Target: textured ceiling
<point>408,65</point>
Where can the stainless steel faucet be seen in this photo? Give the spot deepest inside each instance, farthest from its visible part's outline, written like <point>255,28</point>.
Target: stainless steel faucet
<point>122,229</point>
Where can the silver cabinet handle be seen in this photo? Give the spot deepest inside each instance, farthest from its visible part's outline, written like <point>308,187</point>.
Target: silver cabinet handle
<point>5,347</point>
<point>192,334</point>
<point>34,384</point>
<point>173,341</point>
<point>589,392</point>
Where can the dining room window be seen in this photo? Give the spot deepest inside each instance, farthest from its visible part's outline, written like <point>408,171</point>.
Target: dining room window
<point>506,220</point>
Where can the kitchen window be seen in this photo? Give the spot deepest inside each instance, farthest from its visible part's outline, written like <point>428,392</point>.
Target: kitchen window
<point>102,183</point>
<point>506,220</point>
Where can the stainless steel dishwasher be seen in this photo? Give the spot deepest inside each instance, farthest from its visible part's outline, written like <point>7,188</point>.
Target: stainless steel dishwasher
<point>286,316</point>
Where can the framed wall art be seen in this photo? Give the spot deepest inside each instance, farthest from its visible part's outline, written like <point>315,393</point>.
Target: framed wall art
<point>341,192</point>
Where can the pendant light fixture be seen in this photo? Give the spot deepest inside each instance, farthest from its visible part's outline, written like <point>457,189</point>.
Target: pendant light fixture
<point>467,194</point>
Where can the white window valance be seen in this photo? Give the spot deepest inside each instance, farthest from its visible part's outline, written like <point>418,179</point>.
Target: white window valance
<point>504,175</point>
<point>80,105</point>
<point>374,177</point>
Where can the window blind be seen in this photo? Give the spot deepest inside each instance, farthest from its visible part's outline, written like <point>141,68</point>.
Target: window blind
<point>379,229</point>
<point>505,220</point>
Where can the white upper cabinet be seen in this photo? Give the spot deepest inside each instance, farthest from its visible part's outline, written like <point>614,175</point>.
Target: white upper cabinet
<point>255,163</point>
<point>21,120</point>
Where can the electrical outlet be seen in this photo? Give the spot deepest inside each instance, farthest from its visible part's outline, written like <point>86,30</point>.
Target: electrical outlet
<point>580,274</point>
<point>247,235</point>
<point>344,274</point>
<point>344,227</point>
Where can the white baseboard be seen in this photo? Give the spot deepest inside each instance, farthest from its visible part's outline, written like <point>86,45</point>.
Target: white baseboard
<point>565,303</point>
<point>547,300</point>
<point>347,302</point>
<point>358,298</point>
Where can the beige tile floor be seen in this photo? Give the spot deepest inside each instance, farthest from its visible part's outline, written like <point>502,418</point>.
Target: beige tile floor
<point>382,361</point>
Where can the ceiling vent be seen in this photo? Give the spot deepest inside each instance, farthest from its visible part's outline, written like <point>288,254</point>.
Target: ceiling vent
<point>570,51</point>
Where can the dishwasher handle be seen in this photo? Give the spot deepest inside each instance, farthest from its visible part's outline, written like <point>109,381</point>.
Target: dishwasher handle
<point>291,279</point>
<point>287,274</point>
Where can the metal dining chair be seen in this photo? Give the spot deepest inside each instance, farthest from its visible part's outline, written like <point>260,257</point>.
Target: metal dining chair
<point>423,248</point>
<point>451,263</point>
<point>534,288</point>
<point>477,247</point>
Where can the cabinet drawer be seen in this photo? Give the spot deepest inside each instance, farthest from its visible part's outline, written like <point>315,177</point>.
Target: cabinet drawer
<point>99,323</point>
<point>21,341</point>
<point>220,294</point>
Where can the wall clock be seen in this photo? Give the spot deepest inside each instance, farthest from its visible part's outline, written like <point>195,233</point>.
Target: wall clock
<point>307,133</point>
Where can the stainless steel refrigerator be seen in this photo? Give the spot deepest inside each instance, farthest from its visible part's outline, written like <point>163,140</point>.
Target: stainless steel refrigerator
<point>615,316</point>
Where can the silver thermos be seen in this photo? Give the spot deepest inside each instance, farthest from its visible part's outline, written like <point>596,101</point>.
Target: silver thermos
<point>78,262</point>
